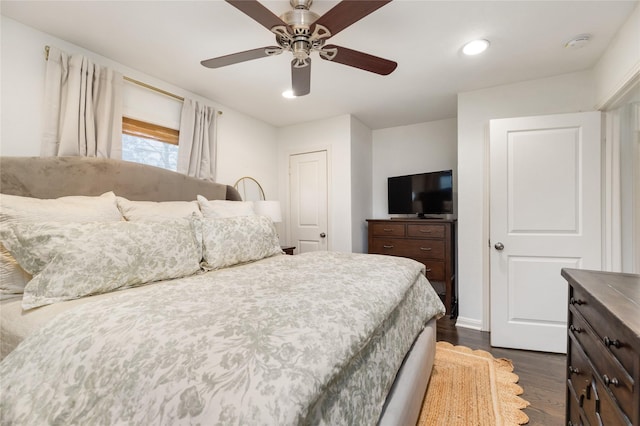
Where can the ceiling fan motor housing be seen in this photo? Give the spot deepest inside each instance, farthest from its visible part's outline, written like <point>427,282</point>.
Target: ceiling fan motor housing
<point>299,20</point>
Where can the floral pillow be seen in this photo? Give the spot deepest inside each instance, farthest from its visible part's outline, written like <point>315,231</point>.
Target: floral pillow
<point>17,209</point>
<point>72,260</point>
<point>225,208</point>
<point>157,211</point>
<point>13,278</point>
<point>240,239</point>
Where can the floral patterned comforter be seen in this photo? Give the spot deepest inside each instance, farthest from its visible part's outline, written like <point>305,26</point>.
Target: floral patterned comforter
<point>307,339</point>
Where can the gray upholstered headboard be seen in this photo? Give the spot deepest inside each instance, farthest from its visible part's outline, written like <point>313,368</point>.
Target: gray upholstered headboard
<point>53,177</point>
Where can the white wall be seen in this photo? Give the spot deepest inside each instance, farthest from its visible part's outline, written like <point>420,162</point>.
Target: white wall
<point>361,166</point>
<point>411,149</point>
<point>620,64</point>
<point>334,136</point>
<point>565,93</point>
<point>246,146</point>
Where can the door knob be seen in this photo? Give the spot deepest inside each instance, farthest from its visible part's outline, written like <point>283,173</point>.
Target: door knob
<point>323,235</point>
<point>499,246</point>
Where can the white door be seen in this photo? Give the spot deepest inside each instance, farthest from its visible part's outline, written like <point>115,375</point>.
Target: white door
<point>308,203</point>
<point>545,214</point>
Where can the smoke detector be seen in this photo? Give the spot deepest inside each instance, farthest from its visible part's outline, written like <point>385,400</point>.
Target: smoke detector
<point>578,42</point>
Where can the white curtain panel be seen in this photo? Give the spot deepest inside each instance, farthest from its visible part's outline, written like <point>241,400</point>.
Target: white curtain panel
<point>83,108</point>
<point>197,141</point>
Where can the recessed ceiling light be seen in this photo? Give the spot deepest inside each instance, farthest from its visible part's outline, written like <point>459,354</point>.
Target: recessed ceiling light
<point>288,94</point>
<point>475,47</point>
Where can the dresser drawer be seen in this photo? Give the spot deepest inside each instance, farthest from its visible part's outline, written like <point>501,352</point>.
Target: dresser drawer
<point>606,332</point>
<point>608,412</point>
<point>428,249</point>
<point>425,231</point>
<point>599,408</point>
<point>388,229</point>
<point>608,369</point>
<point>579,371</point>
<point>434,270</point>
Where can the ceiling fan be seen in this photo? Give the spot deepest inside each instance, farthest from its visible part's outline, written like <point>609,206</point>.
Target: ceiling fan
<point>301,32</point>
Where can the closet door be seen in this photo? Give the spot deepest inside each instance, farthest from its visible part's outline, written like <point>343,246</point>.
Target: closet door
<point>308,203</point>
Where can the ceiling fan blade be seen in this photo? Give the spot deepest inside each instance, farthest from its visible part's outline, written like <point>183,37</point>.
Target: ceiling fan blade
<point>247,55</point>
<point>301,76</point>
<point>354,58</point>
<point>258,13</point>
<point>346,13</point>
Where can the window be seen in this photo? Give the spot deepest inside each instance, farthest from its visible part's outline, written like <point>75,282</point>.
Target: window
<point>150,144</point>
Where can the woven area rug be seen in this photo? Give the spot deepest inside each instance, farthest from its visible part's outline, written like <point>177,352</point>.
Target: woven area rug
<point>470,387</point>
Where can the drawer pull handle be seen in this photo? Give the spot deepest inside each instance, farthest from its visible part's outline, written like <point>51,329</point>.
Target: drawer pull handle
<point>574,370</point>
<point>575,329</point>
<point>610,381</point>
<point>426,231</point>
<point>387,230</point>
<point>388,246</point>
<point>428,269</point>
<point>425,248</point>
<point>574,301</point>
<point>611,342</point>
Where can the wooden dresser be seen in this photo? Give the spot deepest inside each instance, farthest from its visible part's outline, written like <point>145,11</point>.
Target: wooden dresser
<point>603,348</point>
<point>429,241</point>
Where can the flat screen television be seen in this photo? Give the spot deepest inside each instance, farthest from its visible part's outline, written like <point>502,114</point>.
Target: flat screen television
<point>422,194</point>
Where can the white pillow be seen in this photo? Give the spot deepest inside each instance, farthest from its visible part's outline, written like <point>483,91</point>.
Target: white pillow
<point>157,211</point>
<point>225,208</point>
<point>232,240</point>
<point>16,209</point>
<point>72,260</point>
<point>103,208</point>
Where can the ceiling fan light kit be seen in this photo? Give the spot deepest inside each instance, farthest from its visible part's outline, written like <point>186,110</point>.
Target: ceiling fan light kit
<point>301,32</point>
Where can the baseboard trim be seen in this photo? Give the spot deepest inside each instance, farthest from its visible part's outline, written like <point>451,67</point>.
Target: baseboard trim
<point>471,323</point>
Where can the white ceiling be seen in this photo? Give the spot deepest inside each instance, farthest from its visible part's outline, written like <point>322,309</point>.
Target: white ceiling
<point>168,39</point>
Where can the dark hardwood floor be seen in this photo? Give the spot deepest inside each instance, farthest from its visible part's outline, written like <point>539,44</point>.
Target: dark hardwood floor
<point>542,375</point>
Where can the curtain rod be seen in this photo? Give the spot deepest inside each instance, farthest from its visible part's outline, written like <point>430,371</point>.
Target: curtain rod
<point>150,87</point>
<point>139,83</point>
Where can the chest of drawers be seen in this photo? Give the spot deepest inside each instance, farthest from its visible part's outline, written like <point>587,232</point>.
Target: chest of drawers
<point>431,242</point>
<point>603,348</point>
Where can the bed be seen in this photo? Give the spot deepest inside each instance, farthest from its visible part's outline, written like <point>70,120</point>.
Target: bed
<point>215,325</point>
